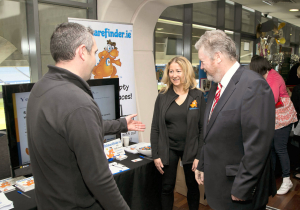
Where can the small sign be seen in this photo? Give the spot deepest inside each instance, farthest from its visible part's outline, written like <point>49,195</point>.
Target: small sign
<point>113,148</point>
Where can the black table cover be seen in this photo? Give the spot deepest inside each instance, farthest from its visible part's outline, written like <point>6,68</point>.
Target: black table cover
<point>140,186</point>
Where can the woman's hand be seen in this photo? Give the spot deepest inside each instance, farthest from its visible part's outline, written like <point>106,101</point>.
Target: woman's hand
<point>159,165</point>
<point>195,164</point>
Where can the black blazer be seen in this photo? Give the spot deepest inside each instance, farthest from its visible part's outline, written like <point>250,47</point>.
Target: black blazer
<point>235,156</point>
<point>194,137</point>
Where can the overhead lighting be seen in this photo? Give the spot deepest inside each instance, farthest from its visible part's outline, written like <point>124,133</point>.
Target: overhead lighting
<point>203,27</point>
<point>170,22</point>
<point>268,2</point>
<point>229,2</point>
<point>294,10</point>
<point>160,32</point>
<point>249,9</point>
<point>228,32</point>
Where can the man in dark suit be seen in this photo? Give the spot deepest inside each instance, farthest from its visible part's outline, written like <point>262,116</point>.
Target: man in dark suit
<point>239,123</point>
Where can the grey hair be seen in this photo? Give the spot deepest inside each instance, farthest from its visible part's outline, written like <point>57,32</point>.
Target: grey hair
<point>66,38</point>
<point>217,41</point>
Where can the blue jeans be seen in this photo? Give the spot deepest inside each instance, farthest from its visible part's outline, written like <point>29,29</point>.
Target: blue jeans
<point>279,147</point>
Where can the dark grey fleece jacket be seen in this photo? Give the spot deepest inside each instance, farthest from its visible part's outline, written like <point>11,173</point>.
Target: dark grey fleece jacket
<point>194,134</point>
<point>65,137</point>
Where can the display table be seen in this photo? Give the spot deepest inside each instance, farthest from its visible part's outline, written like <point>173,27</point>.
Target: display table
<point>140,186</point>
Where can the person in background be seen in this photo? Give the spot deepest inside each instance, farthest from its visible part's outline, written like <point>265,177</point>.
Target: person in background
<point>292,77</point>
<point>176,130</point>
<point>239,119</point>
<point>285,117</point>
<point>66,130</point>
<point>296,101</point>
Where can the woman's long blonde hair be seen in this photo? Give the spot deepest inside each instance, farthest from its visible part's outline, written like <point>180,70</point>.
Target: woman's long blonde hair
<point>187,69</point>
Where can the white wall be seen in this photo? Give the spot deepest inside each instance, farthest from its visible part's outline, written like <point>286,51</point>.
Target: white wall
<point>143,14</point>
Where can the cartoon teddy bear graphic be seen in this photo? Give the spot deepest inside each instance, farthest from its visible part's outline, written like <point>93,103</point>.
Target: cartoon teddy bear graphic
<point>105,67</point>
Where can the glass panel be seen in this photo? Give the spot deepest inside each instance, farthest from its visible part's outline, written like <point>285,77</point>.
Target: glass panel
<point>229,15</point>
<point>49,17</point>
<point>168,43</point>
<point>248,20</point>
<point>197,32</point>
<point>229,33</point>
<point>293,34</point>
<point>246,51</point>
<point>205,13</point>
<point>14,61</point>
<point>174,12</point>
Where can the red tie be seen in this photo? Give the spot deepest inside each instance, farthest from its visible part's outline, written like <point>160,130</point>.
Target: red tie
<point>217,97</point>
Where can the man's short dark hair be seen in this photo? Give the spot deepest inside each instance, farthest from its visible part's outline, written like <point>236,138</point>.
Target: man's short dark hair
<point>260,65</point>
<point>66,38</point>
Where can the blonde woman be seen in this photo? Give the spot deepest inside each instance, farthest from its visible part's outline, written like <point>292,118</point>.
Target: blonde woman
<point>176,130</point>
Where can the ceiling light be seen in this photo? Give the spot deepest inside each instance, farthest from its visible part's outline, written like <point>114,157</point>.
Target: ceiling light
<point>170,22</point>
<point>229,2</point>
<point>203,27</point>
<point>268,2</point>
<point>294,10</point>
<point>249,9</point>
<point>228,32</point>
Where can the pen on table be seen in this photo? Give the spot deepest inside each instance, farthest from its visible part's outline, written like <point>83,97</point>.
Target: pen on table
<point>24,194</point>
<point>146,157</point>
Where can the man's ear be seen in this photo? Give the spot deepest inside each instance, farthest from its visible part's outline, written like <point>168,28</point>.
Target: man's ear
<point>81,51</point>
<point>218,57</point>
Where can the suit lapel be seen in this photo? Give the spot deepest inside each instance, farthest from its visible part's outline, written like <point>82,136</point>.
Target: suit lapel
<point>223,99</point>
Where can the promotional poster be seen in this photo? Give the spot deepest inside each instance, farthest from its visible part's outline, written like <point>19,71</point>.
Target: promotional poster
<point>115,60</point>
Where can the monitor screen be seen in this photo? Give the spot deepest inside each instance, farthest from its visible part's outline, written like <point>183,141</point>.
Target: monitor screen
<point>105,93</point>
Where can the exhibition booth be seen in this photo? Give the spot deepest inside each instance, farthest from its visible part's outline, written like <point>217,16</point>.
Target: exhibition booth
<point>129,45</point>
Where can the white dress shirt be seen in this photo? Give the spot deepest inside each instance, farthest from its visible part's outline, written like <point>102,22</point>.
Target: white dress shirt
<point>227,77</point>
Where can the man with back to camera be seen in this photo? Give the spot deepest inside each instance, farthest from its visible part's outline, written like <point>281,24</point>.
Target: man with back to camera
<point>66,130</point>
<point>239,123</point>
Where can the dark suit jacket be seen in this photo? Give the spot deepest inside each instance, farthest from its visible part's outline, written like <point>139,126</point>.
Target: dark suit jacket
<point>235,156</point>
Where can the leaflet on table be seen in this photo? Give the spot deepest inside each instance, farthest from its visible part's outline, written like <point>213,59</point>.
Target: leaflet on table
<point>117,168</point>
<point>26,184</point>
<point>6,185</point>
<point>113,148</point>
<point>133,148</point>
<point>5,204</point>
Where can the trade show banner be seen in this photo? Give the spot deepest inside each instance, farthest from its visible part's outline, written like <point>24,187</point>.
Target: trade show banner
<point>115,60</point>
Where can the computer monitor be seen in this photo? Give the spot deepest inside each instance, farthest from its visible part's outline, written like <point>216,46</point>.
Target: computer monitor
<point>105,93</point>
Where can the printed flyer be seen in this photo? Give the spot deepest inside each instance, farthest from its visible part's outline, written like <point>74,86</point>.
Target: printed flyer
<point>113,148</point>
